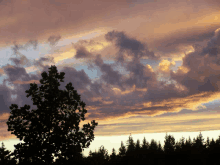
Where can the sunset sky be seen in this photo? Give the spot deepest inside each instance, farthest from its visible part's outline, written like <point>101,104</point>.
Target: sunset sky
<point>144,67</point>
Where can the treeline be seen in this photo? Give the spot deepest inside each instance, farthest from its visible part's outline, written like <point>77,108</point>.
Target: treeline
<point>182,152</point>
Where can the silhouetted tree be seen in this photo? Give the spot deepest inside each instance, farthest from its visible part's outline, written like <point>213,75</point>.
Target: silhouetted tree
<point>137,146</point>
<point>5,156</point>
<point>178,147</point>
<point>179,151</point>
<point>182,142</point>
<point>188,143</point>
<point>98,158</point>
<point>212,144</point>
<point>54,127</point>
<point>169,144</point>
<point>113,157</point>
<point>130,145</point>
<point>145,144</point>
<point>160,149</point>
<point>207,143</point>
<point>169,148</point>
<point>153,146</point>
<point>199,144</point>
<point>122,150</point>
<point>145,149</point>
<point>104,153</point>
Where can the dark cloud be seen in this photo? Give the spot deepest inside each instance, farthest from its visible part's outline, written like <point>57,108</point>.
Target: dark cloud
<point>50,16</point>
<point>208,86</point>
<point>5,98</point>
<point>101,93</point>
<point>159,91</point>
<point>96,88</point>
<point>14,73</point>
<point>187,39</point>
<point>201,72</point>
<point>110,76</point>
<point>20,61</point>
<point>54,39</point>
<point>139,74</point>
<point>18,47</point>
<point>39,63</point>
<point>79,79</point>
<point>34,43</point>
<point>134,47</point>
<point>17,76</point>
<point>212,47</point>
<point>82,53</point>
<point>175,42</point>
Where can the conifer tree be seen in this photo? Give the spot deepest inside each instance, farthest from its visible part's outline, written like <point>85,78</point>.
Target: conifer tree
<point>122,150</point>
<point>137,146</point>
<point>178,146</point>
<point>153,146</point>
<point>130,145</point>
<point>169,144</point>
<point>199,144</point>
<point>103,153</point>
<point>207,143</point>
<point>145,144</point>
<point>160,149</point>
<point>113,156</point>
<point>212,146</point>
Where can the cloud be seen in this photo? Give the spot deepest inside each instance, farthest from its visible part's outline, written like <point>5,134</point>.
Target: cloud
<point>48,17</point>
<point>202,72</point>
<point>109,75</point>
<point>18,47</point>
<point>82,53</point>
<point>139,85</point>
<point>182,41</point>
<point>40,61</point>
<point>22,61</point>
<point>184,33</point>
<point>114,84</point>
<point>134,47</point>
<point>212,47</point>
<point>54,39</point>
<point>5,98</point>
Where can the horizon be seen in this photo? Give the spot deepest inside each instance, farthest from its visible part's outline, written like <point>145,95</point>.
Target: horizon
<point>115,142</point>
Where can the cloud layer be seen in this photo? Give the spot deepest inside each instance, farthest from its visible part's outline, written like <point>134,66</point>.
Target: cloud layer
<point>164,65</point>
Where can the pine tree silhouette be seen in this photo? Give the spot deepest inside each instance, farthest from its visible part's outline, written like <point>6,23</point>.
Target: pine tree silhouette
<point>122,150</point>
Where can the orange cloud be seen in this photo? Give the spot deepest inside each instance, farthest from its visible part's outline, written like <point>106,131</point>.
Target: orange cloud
<point>164,65</point>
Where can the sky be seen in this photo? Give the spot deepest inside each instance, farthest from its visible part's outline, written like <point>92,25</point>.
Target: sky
<point>143,67</point>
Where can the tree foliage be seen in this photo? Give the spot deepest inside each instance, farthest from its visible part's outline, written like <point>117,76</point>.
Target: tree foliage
<point>98,158</point>
<point>6,157</point>
<point>122,150</point>
<point>145,144</point>
<point>130,145</point>
<point>137,146</point>
<point>169,144</point>
<point>53,128</point>
<point>113,156</point>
